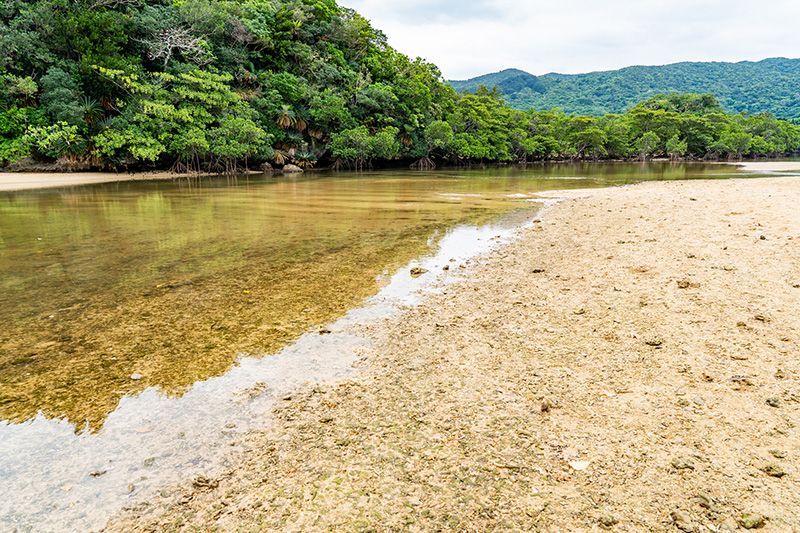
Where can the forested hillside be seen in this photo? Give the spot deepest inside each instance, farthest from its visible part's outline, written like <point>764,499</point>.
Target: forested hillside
<point>772,85</point>
<point>216,85</point>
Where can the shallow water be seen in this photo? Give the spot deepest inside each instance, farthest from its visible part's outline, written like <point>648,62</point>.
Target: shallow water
<point>185,286</point>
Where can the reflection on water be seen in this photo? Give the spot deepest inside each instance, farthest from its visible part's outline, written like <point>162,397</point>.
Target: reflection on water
<point>107,291</point>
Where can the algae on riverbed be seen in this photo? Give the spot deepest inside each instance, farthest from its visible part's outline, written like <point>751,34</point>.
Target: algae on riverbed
<point>170,283</point>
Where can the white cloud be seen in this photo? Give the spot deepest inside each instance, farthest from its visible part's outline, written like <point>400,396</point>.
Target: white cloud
<point>466,38</point>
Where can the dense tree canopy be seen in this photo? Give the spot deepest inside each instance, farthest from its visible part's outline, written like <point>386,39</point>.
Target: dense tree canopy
<point>217,84</point>
<point>768,86</point>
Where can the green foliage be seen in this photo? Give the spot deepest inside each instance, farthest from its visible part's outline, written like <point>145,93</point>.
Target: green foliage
<point>648,144</point>
<point>14,122</point>
<point>214,84</point>
<point>676,147</point>
<point>61,97</point>
<point>56,140</point>
<point>746,87</point>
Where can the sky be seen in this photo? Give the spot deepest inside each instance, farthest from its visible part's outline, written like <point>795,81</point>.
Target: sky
<point>472,37</point>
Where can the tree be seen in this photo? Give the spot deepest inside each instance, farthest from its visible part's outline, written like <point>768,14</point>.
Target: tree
<point>676,147</point>
<point>61,97</point>
<point>647,145</point>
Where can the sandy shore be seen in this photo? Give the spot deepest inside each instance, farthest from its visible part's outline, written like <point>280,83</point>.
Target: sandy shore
<point>19,181</point>
<point>631,363</point>
<point>770,166</point>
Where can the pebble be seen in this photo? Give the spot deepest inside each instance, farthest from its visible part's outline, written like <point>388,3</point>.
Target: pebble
<point>682,463</point>
<point>752,521</point>
<point>705,501</point>
<point>579,465</point>
<point>136,376</point>
<point>773,470</point>
<point>774,402</point>
<point>417,272</point>
<point>608,521</point>
<point>682,520</point>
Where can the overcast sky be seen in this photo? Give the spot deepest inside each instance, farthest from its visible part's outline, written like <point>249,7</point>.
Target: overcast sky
<point>467,38</point>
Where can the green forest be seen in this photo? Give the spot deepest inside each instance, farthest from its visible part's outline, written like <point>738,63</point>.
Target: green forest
<point>220,85</point>
<point>768,86</point>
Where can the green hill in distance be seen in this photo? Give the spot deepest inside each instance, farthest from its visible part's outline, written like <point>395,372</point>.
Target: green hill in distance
<point>771,85</point>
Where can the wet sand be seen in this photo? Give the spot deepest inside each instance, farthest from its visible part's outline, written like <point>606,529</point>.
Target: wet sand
<point>630,363</point>
<point>19,181</point>
<point>770,166</point>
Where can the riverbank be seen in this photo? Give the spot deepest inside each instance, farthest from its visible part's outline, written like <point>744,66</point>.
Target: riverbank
<point>770,166</point>
<point>629,363</point>
<point>18,181</point>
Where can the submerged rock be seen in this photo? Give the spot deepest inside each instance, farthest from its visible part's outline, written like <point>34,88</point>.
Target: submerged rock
<point>292,169</point>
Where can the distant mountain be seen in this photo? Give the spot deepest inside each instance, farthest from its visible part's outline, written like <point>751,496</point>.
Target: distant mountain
<point>771,85</point>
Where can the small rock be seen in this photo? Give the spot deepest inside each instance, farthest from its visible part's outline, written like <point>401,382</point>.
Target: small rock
<point>446,268</point>
<point>548,405</point>
<point>150,461</point>
<point>417,272</point>
<point>655,342</point>
<point>203,482</point>
<point>705,501</point>
<point>729,525</point>
<point>683,402</point>
<point>292,169</point>
<point>579,311</point>
<point>773,470</point>
<point>687,284</point>
<point>697,400</point>
<point>608,521</point>
<point>774,402</point>
<point>131,488</point>
<point>537,271</point>
<point>682,463</point>
<point>763,238</point>
<point>778,454</point>
<point>136,376</point>
<point>579,465</point>
<point>97,473</point>
<point>742,381</point>
<point>325,331</point>
<point>752,521</point>
<point>682,520</point>
<point>763,318</point>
